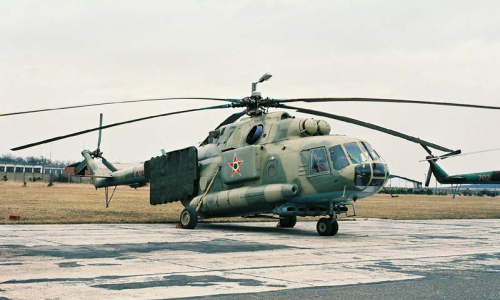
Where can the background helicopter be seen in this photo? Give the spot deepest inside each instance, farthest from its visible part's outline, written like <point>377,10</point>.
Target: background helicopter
<point>456,181</point>
<point>269,162</point>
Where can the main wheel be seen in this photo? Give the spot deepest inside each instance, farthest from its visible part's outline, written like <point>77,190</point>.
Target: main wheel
<point>189,218</point>
<point>335,228</point>
<point>324,226</point>
<point>287,221</point>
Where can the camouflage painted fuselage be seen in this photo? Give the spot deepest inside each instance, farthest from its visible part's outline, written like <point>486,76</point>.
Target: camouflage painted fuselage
<point>285,156</point>
<point>270,163</point>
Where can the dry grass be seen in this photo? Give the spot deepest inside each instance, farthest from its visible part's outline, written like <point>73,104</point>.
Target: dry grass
<point>73,203</point>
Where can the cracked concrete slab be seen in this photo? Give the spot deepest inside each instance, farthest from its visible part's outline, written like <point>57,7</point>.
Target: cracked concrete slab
<point>158,261</point>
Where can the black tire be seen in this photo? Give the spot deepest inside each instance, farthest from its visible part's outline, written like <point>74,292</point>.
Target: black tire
<point>189,218</point>
<point>335,228</point>
<point>324,226</point>
<point>287,221</point>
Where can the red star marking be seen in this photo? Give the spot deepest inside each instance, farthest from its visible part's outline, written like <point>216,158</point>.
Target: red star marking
<point>235,166</point>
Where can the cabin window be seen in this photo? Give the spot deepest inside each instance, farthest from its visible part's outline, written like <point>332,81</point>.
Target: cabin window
<point>338,157</point>
<point>355,154</point>
<point>255,134</point>
<point>370,151</point>
<point>319,162</point>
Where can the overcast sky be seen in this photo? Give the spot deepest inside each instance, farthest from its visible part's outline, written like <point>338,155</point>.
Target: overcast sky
<point>57,53</point>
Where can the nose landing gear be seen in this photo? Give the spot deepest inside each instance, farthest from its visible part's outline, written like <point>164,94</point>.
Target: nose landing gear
<point>327,226</point>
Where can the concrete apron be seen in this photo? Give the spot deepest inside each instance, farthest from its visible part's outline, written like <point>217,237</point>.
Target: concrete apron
<point>158,261</point>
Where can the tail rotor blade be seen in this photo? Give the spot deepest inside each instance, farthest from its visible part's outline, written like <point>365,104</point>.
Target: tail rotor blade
<point>100,132</point>
<point>429,175</point>
<point>456,152</point>
<point>427,149</point>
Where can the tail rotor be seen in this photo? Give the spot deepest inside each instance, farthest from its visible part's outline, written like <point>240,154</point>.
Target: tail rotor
<point>97,153</point>
<point>432,158</point>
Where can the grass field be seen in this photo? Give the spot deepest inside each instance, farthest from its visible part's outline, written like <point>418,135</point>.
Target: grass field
<point>74,203</point>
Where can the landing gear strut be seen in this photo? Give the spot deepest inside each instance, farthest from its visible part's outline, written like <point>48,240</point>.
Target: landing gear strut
<point>327,226</point>
<point>189,218</point>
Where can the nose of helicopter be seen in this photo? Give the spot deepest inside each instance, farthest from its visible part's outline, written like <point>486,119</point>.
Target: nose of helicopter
<point>372,174</point>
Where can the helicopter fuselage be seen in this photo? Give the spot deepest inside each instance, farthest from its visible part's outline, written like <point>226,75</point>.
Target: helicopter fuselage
<point>271,163</point>
<point>324,171</point>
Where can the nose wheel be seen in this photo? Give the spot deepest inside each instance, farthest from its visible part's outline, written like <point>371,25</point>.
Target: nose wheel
<point>327,226</point>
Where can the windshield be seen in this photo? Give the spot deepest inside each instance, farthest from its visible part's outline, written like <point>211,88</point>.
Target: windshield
<point>355,153</point>
<point>338,157</point>
<point>370,151</point>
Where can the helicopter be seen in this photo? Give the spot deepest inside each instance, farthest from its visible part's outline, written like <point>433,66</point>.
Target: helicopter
<point>258,163</point>
<point>456,181</point>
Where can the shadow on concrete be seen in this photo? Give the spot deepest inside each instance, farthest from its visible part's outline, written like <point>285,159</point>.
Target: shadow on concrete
<point>235,227</point>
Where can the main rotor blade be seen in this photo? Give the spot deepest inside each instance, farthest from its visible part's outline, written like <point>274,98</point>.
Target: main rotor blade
<point>381,100</point>
<point>231,119</point>
<point>369,125</point>
<point>118,124</point>
<point>117,102</point>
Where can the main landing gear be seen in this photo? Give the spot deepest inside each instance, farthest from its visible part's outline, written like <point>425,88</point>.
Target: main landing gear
<point>327,226</point>
<point>189,218</point>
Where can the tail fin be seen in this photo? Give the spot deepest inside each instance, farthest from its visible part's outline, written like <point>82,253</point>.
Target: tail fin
<point>438,172</point>
<point>93,168</point>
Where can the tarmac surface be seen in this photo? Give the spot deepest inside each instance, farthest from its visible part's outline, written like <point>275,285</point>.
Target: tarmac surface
<point>374,259</point>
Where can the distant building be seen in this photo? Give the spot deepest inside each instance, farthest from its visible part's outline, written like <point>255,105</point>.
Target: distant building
<point>30,169</point>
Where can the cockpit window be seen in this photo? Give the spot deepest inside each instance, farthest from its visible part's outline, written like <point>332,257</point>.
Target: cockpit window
<point>370,151</point>
<point>355,153</point>
<point>319,162</point>
<point>338,157</point>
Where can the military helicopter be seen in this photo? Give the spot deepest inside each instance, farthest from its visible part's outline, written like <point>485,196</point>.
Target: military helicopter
<point>456,181</point>
<point>258,163</point>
